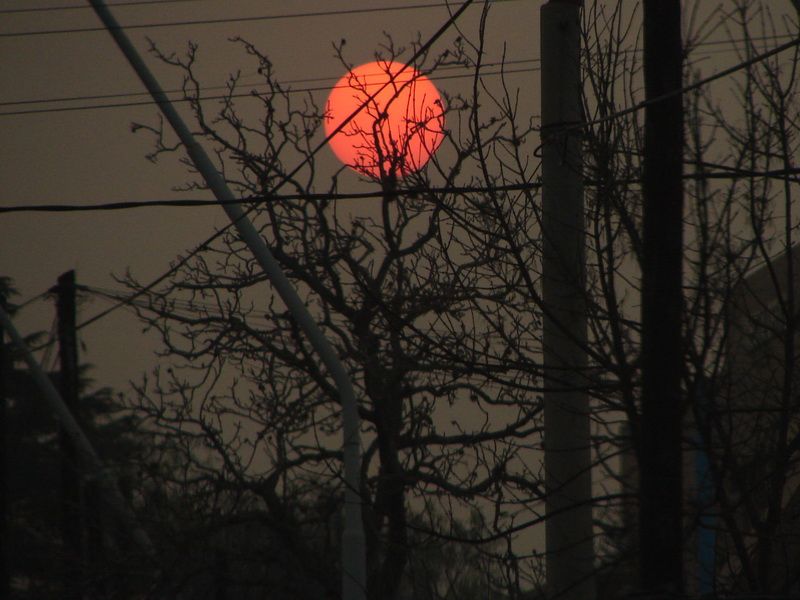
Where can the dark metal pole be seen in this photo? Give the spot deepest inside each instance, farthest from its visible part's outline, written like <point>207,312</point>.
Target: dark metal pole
<point>71,500</point>
<point>661,514</point>
<point>5,589</point>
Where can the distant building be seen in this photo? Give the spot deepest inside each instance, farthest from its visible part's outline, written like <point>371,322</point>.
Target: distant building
<point>758,416</point>
<point>744,537</point>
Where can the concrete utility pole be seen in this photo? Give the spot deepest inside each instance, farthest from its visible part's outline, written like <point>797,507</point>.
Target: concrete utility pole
<point>71,497</point>
<point>353,543</point>
<point>661,492</point>
<point>568,481</point>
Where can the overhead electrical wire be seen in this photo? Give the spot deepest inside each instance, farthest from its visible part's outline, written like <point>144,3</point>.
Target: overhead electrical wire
<point>635,108</point>
<point>132,3</point>
<point>199,248</point>
<point>301,15</point>
<point>733,43</point>
<point>256,200</point>
<point>283,83</point>
<point>626,111</point>
<point>286,84</point>
<point>250,94</point>
<point>176,305</point>
<point>690,87</point>
<point>18,307</point>
<point>423,48</point>
<point>726,173</point>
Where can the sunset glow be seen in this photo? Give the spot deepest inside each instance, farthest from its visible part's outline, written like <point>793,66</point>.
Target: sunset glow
<point>397,131</point>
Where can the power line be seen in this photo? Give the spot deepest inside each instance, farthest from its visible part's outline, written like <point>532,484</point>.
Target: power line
<point>635,108</point>
<point>133,103</point>
<point>322,13</point>
<point>755,38</point>
<point>176,305</point>
<point>284,84</point>
<point>8,11</point>
<point>688,88</point>
<point>725,173</point>
<point>185,259</point>
<point>734,44</point>
<point>250,94</point>
<point>31,300</point>
<point>256,200</point>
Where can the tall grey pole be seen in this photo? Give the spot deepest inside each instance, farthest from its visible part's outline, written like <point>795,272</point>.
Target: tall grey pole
<point>568,484</point>
<point>353,546</point>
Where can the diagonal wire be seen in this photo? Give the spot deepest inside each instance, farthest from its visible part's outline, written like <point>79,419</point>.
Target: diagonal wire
<point>9,11</point>
<point>756,59</point>
<point>249,94</point>
<point>321,13</point>
<point>688,88</point>
<point>82,107</point>
<point>286,83</point>
<point>255,200</point>
<point>202,246</point>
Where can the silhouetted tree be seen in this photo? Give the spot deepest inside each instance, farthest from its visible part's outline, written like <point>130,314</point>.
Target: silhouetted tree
<point>431,294</point>
<point>34,471</point>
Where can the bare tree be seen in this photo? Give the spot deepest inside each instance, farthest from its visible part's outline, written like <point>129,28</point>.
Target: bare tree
<point>431,293</point>
<point>740,362</point>
<point>744,372</point>
<point>404,303</point>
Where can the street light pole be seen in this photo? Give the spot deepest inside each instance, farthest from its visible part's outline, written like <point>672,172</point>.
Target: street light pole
<point>353,546</point>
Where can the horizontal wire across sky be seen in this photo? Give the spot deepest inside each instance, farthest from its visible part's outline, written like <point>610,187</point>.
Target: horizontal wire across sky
<point>275,17</point>
<point>730,44</point>
<point>285,86</point>
<point>124,4</point>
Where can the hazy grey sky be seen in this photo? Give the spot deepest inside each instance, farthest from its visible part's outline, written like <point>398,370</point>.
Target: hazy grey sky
<point>91,156</point>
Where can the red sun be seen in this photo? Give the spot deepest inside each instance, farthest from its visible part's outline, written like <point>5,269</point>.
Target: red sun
<point>397,131</point>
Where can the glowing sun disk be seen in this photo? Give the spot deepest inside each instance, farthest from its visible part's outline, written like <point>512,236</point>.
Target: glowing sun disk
<point>399,128</point>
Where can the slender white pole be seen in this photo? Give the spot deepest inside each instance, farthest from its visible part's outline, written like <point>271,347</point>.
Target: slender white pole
<point>568,483</point>
<point>108,484</point>
<point>353,546</point>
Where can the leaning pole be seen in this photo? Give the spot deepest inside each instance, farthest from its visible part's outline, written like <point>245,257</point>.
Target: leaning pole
<point>94,466</point>
<point>353,546</point>
<point>567,449</point>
